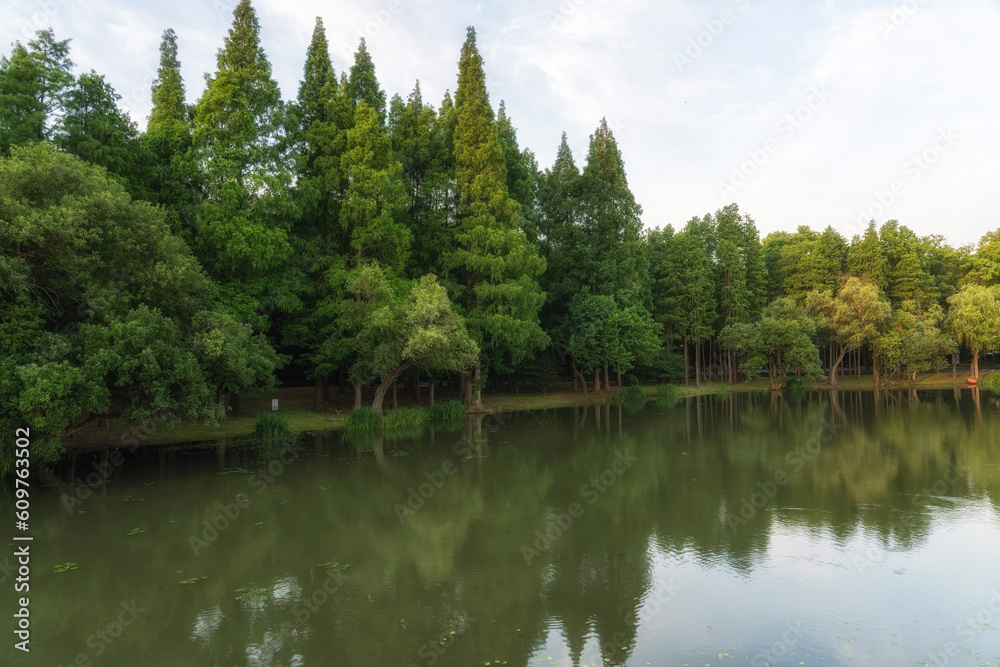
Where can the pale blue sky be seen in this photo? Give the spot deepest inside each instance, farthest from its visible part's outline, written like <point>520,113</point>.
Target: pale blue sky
<point>801,112</point>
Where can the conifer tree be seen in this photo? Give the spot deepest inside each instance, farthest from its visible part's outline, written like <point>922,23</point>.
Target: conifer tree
<point>242,237</point>
<point>493,262</point>
<point>95,129</point>
<point>174,178</point>
<point>362,85</point>
<point>33,82</point>
<point>866,258</point>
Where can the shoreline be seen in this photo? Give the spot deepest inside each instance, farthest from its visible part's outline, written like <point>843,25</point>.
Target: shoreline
<point>303,418</point>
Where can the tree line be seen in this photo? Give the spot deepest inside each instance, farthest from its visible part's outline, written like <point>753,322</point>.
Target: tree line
<point>347,235</point>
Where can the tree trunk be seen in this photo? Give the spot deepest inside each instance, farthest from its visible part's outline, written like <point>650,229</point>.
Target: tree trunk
<point>687,362</point>
<point>597,381</point>
<point>477,390</point>
<point>390,381</point>
<point>578,373</point>
<point>357,395</point>
<point>431,391</point>
<point>467,390</point>
<point>697,364</point>
<point>619,378</point>
<point>975,363</point>
<point>834,365</point>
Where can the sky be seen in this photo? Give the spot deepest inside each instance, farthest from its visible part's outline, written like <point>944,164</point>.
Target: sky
<point>830,112</point>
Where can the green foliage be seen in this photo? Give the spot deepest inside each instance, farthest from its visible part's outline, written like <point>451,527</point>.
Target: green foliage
<point>974,318</point>
<point>362,421</point>
<point>240,236</point>
<point>781,341</point>
<point>405,419</point>
<point>95,129</point>
<point>634,394</point>
<point>795,385</point>
<point>668,391</point>
<point>271,425</point>
<point>447,411</point>
<point>362,84</point>
<point>990,382</point>
<point>33,82</point>
<point>493,263</point>
<point>103,304</point>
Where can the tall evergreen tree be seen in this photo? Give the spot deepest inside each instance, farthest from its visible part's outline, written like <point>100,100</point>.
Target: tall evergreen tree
<point>316,125</point>
<point>523,177</point>
<point>418,139</point>
<point>362,85</point>
<point>174,177</point>
<point>866,258</point>
<point>493,261</point>
<point>33,81</point>
<point>242,236</point>
<point>94,128</point>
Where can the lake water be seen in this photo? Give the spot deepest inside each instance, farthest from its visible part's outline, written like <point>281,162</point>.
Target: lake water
<point>855,529</point>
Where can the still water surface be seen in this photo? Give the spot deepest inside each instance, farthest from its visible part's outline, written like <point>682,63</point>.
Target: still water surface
<point>856,529</point>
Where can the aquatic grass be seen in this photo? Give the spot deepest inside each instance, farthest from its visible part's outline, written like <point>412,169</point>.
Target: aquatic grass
<point>721,390</point>
<point>668,391</point>
<point>405,419</point>
<point>634,394</point>
<point>65,567</point>
<point>795,386</point>
<point>271,425</point>
<point>446,411</point>
<point>990,382</point>
<point>362,420</point>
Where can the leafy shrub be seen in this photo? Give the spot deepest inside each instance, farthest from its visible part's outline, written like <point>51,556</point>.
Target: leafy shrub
<point>631,380</point>
<point>990,382</point>
<point>795,385</point>
<point>721,390</point>
<point>668,391</point>
<point>634,394</point>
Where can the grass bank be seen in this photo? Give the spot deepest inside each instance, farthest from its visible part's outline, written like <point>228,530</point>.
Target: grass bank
<point>295,403</point>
